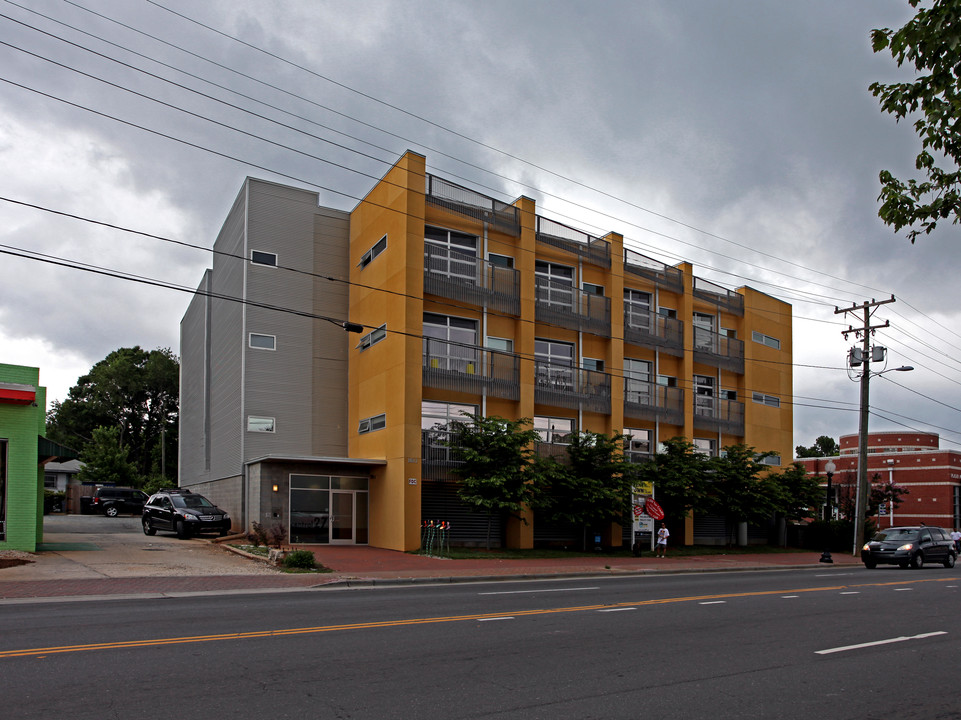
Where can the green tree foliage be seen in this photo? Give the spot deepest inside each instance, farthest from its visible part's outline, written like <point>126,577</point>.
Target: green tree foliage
<point>680,476</point>
<point>931,41</point>
<point>824,446</point>
<point>886,493</point>
<point>105,460</point>
<point>796,493</point>
<point>593,488</point>
<point>498,471</point>
<point>134,391</point>
<point>740,488</point>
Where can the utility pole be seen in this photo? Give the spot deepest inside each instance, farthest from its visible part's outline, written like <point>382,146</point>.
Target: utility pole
<point>866,310</point>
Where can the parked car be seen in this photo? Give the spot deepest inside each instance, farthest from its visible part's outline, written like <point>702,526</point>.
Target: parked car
<point>112,501</point>
<point>183,512</point>
<point>909,547</point>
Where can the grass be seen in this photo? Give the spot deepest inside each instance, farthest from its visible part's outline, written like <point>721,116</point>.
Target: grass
<point>461,553</point>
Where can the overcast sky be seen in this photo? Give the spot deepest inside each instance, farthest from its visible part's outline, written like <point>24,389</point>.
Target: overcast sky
<point>739,136</point>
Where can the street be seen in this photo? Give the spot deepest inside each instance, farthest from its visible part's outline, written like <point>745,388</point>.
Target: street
<point>834,644</point>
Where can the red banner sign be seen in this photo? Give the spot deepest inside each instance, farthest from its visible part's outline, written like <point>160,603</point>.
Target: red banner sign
<point>654,510</point>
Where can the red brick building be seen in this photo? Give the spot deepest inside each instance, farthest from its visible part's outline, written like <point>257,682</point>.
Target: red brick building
<point>912,460</point>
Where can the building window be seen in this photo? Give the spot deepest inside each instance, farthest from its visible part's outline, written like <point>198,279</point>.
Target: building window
<point>637,445</point>
<point>263,342</point>
<point>450,343</point>
<point>451,254</point>
<point>592,364</point>
<point>637,309</point>
<point>592,289</point>
<point>667,380</point>
<point>637,381</point>
<point>500,260</point>
<point>377,422</point>
<point>762,399</point>
<point>435,422</point>
<point>373,337</point>
<point>704,395</point>
<point>555,284</point>
<point>3,489</point>
<point>259,257</point>
<point>504,345</point>
<point>774,460</point>
<point>554,364</point>
<point>667,312</point>
<point>376,250</point>
<point>704,446</point>
<point>766,340</point>
<point>49,481</point>
<point>554,430</point>
<point>261,424</point>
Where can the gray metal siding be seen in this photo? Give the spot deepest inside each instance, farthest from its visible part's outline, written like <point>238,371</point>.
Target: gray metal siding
<point>193,447</point>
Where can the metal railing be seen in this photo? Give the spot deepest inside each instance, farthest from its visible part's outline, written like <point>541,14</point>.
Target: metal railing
<point>719,415</point>
<point>464,201</point>
<point>461,276</point>
<point>437,458</point>
<point>560,303</point>
<point>592,249</point>
<point>722,297</point>
<point>570,387</point>
<point>645,400</point>
<point>650,329</point>
<point>721,351</point>
<point>470,368</point>
<point>664,276</point>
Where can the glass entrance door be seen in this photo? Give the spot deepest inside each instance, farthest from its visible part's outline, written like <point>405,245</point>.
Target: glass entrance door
<point>341,516</point>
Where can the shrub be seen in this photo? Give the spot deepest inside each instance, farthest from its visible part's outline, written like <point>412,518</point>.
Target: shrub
<point>299,560</point>
<point>258,535</point>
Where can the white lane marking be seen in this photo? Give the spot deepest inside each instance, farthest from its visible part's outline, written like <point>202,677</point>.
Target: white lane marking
<point>902,589</point>
<point>851,592</point>
<point>835,575</point>
<point>508,617</point>
<point>785,597</point>
<point>879,642</point>
<point>713,602</point>
<point>616,609</point>
<point>523,592</point>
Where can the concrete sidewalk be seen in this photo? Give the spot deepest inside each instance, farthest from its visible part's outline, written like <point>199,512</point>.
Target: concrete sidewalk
<point>65,571</point>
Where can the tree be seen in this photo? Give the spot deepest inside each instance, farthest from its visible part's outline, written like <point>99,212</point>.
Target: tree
<point>134,391</point>
<point>105,461</point>
<point>594,489</point>
<point>679,475</point>
<point>884,493</point>
<point>740,488</point>
<point>930,41</point>
<point>824,446</point>
<point>498,472</point>
<point>796,492</point>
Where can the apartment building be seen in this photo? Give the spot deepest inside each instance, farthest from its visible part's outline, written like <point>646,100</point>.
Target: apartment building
<point>467,304</point>
<point>911,460</point>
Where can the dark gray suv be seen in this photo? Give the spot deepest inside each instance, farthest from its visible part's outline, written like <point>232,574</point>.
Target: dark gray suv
<point>184,513</point>
<point>112,501</point>
<point>909,547</point>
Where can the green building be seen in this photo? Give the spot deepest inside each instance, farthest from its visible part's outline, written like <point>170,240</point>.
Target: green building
<point>23,453</point>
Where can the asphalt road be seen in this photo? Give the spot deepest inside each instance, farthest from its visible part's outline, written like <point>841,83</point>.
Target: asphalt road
<point>798,644</point>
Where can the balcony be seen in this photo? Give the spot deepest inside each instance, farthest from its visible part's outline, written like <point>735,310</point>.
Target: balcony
<point>591,249</point>
<point>664,276</point>
<point>721,351</point>
<point>723,298</point>
<point>461,276</point>
<point>470,369</point>
<point>561,304</point>
<point>437,461</point>
<point>649,401</point>
<point>717,415</point>
<point>564,386</point>
<point>651,330</point>
<point>463,201</point>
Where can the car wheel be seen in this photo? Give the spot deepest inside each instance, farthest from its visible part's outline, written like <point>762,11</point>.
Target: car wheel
<point>148,528</point>
<point>870,564</point>
<point>181,529</point>
<point>904,565</point>
<point>949,560</point>
<point>110,511</point>
<point>917,562</point>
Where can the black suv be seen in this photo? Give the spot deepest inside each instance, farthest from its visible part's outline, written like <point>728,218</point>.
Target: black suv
<point>909,547</point>
<point>184,513</point>
<point>112,501</point>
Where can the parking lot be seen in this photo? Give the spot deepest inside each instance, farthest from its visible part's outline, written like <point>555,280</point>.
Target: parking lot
<point>94,546</point>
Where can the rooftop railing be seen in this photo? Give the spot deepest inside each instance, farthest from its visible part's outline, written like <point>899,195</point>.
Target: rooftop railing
<point>592,249</point>
<point>664,276</point>
<point>466,202</point>
<point>725,299</point>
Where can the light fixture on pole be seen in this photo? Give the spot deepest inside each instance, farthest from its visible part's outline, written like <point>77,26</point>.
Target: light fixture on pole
<point>829,468</point>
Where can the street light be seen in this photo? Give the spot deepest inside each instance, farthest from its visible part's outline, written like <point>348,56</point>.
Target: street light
<point>861,502</point>
<point>829,468</point>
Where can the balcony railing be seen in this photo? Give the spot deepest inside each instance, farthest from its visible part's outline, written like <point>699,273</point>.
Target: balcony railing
<point>471,369</point>
<point>664,276</point>
<point>562,304</point>
<point>592,249</point>
<point>437,459</point>
<point>722,297</point>
<point>653,330</point>
<point>461,276</point>
<point>721,351</point>
<point>570,387</point>
<point>463,201</point>
<point>645,400</point>
<point>718,415</point>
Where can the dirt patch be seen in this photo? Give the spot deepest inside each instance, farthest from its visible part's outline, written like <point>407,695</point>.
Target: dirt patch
<point>12,562</point>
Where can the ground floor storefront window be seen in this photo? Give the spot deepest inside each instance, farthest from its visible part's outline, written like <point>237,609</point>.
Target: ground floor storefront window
<point>329,509</point>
